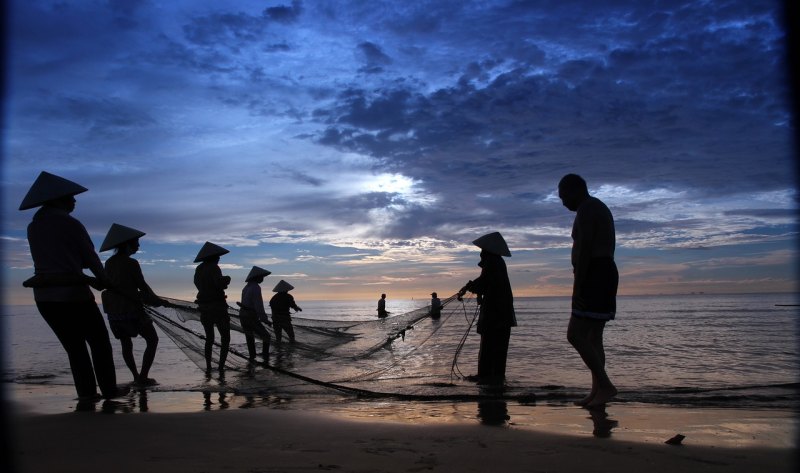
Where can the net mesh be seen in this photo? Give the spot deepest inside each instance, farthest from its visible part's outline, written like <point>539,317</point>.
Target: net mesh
<point>410,354</point>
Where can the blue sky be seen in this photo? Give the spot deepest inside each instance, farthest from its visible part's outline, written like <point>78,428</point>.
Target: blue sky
<point>358,147</point>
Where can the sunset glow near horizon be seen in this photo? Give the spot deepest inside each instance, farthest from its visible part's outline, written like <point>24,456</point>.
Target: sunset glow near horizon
<point>354,148</point>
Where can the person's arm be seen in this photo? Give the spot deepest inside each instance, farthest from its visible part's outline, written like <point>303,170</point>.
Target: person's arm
<point>222,282</point>
<point>293,305</point>
<point>147,294</point>
<point>479,285</point>
<point>89,257</point>
<point>258,304</point>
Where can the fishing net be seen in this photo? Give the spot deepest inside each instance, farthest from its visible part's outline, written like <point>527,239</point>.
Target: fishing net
<point>410,354</point>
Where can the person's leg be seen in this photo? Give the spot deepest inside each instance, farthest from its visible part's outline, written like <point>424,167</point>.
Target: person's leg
<point>224,326</point>
<point>501,353</point>
<point>582,334</point>
<point>127,355</point>
<point>289,330</point>
<point>492,356</point>
<point>96,335</point>
<point>277,326</point>
<point>484,357</point>
<point>148,332</point>
<point>247,329</point>
<point>207,320</point>
<point>59,317</point>
<point>265,339</point>
<point>605,388</point>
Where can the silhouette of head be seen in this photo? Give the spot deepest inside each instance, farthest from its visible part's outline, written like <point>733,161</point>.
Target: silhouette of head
<point>493,243</point>
<point>282,286</point>
<point>122,238</point>
<point>52,190</point>
<point>210,252</point>
<point>572,190</point>
<point>257,274</point>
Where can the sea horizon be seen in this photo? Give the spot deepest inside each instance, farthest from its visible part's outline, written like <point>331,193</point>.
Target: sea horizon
<point>427,298</point>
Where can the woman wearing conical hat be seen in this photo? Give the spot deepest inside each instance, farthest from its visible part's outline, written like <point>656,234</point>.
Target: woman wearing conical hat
<point>496,316</point>
<point>280,304</point>
<point>61,249</point>
<point>252,313</point>
<point>211,285</point>
<point>123,303</point>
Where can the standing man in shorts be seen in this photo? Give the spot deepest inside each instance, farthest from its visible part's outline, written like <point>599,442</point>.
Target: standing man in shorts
<point>594,291</point>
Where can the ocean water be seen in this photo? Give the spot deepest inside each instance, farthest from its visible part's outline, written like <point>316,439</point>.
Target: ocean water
<point>694,350</point>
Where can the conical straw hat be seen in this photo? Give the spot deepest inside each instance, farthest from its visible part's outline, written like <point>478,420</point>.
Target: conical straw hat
<point>282,286</point>
<point>493,243</point>
<point>48,187</point>
<point>257,272</point>
<point>208,250</point>
<point>119,234</point>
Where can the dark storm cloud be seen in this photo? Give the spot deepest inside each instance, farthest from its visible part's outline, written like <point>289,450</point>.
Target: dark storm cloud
<point>285,14</point>
<point>302,177</point>
<point>225,29</point>
<point>684,90</point>
<point>100,117</point>
<point>235,29</point>
<point>374,58</point>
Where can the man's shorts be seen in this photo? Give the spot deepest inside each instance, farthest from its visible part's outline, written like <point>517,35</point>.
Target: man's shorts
<point>597,298</point>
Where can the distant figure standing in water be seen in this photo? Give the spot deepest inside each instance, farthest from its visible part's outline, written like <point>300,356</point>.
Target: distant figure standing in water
<point>382,307</point>
<point>61,249</point>
<point>594,290</point>
<point>281,315</point>
<point>123,303</point>
<point>436,306</point>
<point>252,313</point>
<point>211,285</point>
<point>496,316</point>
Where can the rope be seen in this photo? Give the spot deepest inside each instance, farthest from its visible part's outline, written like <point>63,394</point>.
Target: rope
<point>454,366</point>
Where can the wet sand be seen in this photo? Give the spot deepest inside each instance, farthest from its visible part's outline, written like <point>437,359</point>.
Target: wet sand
<point>209,434</point>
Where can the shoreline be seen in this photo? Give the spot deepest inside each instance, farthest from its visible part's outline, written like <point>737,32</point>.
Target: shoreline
<point>280,440</point>
<point>629,421</point>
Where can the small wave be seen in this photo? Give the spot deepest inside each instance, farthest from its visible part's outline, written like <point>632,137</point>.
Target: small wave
<point>34,378</point>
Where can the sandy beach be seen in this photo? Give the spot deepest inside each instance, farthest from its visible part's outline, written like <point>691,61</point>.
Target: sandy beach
<point>378,437</point>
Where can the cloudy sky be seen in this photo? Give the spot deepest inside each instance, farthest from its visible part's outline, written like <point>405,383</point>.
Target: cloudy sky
<point>358,147</point>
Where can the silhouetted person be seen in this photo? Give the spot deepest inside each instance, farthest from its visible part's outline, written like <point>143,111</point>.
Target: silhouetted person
<point>123,302</point>
<point>496,301</point>
<point>280,304</point>
<point>594,290</point>
<point>436,306</point>
<point>252,313</point>
<point>382,307</point>
<point>211,285</point>
<point>61,249</point>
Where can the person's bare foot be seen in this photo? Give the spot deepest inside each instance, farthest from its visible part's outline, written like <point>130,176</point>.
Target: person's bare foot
<point>603,396</point>
<point>585,401</point>
<point>588,397</point>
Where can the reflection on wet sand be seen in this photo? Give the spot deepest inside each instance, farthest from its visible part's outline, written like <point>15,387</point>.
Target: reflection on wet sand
<point>493,412</point>
<point>603,425</point>
<point>222,401</point>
